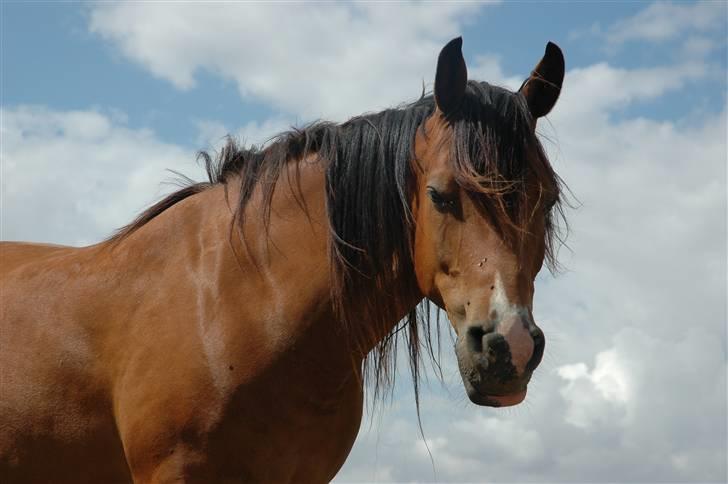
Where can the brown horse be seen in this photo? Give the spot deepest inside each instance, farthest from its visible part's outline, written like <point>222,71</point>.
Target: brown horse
<point>224,335</point>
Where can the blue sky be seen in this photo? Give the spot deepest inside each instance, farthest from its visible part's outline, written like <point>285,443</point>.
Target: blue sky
<point>51,58</point>
<point>98,100</point>
<point>56,62</point>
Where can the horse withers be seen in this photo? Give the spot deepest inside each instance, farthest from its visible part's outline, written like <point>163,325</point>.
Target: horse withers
<point>227,334</point>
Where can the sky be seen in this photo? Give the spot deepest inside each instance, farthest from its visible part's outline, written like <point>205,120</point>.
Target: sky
<point>99,100</point>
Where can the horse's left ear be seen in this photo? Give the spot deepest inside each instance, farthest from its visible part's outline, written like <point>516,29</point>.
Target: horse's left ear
<point>543,86</point>
<point>451,77</point>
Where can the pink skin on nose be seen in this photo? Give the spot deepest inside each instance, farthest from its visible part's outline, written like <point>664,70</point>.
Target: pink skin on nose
<point>519,340</point>
<point>511,326</point>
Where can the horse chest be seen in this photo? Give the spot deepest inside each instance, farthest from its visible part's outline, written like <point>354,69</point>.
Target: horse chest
<point>302,440</point>
<point>304,426</point>
<point>290,421</point>
<point>268,433</point>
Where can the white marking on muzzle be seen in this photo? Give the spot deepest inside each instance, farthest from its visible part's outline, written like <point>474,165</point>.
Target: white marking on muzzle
<point>510,323</point>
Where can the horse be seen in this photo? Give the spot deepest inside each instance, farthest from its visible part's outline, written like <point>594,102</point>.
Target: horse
<point>229,332</point>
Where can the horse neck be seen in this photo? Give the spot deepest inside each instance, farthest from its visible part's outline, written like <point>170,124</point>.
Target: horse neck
<point>273,278</point>
<point>296,255</point>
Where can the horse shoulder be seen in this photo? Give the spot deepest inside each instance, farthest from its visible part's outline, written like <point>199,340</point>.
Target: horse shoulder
<point>232,373</point>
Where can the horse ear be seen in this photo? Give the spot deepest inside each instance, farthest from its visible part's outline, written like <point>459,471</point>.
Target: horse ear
<point>451,77</point>
<point>543,86</point>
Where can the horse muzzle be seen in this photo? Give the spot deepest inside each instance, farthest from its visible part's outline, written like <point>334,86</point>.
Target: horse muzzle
<point>497,358</point>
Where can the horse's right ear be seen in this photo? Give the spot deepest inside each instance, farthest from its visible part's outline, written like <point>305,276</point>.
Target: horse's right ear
<point>451,77</point>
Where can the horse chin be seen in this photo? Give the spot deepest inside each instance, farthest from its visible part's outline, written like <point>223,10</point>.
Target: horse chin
<point>491,400</point>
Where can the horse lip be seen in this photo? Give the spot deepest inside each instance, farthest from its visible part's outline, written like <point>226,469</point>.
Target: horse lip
<point>496,400</point>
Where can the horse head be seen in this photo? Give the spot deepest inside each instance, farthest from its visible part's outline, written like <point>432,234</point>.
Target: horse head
<point>482,210</point>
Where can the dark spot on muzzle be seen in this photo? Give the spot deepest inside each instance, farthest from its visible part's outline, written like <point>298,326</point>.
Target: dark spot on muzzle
<point>491,356</point>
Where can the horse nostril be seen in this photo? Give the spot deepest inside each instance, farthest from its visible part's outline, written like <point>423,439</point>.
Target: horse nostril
<point>484,339</point>
<point>475,339</point>
<point>539,342</point>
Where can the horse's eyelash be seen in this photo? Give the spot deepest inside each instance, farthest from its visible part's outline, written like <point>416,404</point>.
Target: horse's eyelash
<point>441,201</point>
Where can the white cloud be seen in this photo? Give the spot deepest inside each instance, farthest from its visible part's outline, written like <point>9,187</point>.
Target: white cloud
<point>601,89</point>
<point>594,396</point>
<point>72,177</point>
<point>469,441</point>
<point>213,134</point>
<point>487,67</point>
<point>448,462</point>
<point>326,60</point>
<point>661,21</point>
<point>663,394</point>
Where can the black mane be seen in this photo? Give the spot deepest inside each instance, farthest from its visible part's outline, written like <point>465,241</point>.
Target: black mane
<point>369,182</point>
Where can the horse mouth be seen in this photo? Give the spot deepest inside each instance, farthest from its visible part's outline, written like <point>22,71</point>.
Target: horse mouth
<point>492,400</point>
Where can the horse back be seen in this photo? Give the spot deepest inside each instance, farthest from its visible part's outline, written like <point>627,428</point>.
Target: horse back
<point>15,254</point>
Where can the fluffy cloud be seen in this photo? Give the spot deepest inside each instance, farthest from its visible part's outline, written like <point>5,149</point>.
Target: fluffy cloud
<point>661,396</point>
<point>661,21</point>
<point>73,177</point>
<point>334,59</point>
<point>600,89</point>
<point>594,395</point>
<point>212,134</point>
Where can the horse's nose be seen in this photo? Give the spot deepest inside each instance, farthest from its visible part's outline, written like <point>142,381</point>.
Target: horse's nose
<point>513,343</point>
<point>491,347</point>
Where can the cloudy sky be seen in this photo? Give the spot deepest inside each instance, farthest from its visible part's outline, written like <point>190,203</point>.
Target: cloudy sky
<point>98,100</point>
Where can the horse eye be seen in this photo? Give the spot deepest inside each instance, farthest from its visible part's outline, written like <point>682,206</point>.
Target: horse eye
<point>442,203</point>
